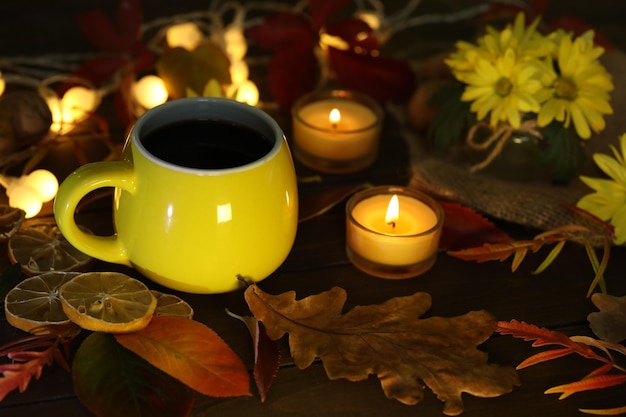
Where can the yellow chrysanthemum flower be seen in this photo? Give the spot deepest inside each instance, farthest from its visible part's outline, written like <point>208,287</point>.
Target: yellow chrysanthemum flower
<point>524,41</point>
<point>503,89</point>
<point>579,92</point>
<point>608,202</point>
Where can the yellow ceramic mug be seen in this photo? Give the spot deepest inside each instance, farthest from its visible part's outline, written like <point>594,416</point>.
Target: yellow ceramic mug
<point>205,191</point>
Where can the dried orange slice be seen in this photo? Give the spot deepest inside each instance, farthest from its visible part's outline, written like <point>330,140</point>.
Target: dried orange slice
<point>34,306</point>
<point>42,248</point>
<point>109,302</point>
<point>171,305</point>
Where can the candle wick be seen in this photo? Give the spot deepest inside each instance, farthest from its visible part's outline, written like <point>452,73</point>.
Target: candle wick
<point>393,224</point>
<point>333,125</point>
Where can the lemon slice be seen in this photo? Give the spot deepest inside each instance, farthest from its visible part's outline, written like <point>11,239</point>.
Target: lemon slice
<point>171,305</point>
<point>34,305</point>
<point>109,302</point>
<point>42,248</point>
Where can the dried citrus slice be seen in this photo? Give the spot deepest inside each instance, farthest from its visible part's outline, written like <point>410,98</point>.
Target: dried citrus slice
<point>171,305</point>
<point>33,305</point>
<point>11,219</point>
<point>42,248</point>
<point>109,302</point>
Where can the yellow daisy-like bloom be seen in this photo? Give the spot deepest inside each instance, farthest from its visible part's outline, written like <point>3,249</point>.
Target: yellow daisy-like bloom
<point>503,89</point>
<point>608,202</point>
<point>579,93</point>
<point>525,41</point>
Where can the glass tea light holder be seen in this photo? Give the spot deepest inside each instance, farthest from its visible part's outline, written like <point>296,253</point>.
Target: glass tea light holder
<point>336,131</point>
<point>393,232</point>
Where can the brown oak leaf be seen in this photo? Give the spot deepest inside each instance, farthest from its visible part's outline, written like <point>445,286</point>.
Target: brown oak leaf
<point>389,340</point>
<point>610,322</point>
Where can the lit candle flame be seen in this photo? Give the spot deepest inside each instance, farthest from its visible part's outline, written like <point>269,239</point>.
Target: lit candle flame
<point>334,117</point>
<point>393,211</point>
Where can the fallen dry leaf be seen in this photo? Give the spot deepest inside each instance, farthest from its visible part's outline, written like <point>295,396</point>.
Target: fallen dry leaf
<point>390,341</point>
<point>610,322</point>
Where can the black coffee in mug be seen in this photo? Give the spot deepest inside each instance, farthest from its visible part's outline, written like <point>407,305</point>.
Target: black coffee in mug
<point>206,144</point>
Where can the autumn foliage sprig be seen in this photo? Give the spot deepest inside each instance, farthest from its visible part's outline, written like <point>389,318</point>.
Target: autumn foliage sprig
<point>592,231</point>
<point>608,374</point>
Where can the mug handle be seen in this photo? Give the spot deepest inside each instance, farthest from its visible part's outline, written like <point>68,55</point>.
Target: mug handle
<point>77,185</point>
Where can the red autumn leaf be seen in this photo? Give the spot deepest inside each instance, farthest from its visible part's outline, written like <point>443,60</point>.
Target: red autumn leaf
<point>192,353</point>
<point>28,357</point>
<point>383,78</point>
<point>266,355</point>
<point>587,384</point>
<point>322,10</point>
<point>293,69</point>
<point>465,228</point>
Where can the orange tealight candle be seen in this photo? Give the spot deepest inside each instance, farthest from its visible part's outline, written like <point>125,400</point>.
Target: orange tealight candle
<point>337,131</point>
<point>393,232</point>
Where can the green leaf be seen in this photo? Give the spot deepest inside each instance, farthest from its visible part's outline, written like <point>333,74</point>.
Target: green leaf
<point>452,116</point>
<point>192,353</point>
<point>181,69</point>
<point>112,381</point>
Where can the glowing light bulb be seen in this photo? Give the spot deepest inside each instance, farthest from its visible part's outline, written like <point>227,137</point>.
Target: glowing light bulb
<point>248,93</point>
<point>235,41</point>
<point>25,198</point>
<point>185,35</point>
<point>2,84</point>
<point>150,91</point>
<point>73,107</point>
<point>42,181</point>
<point>239,72</point>
<point>29,192</point>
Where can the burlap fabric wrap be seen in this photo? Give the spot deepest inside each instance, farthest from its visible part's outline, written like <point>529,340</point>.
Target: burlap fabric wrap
<point>538,205</point>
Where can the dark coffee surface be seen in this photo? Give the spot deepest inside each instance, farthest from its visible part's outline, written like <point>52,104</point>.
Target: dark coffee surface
<point>206,144</point>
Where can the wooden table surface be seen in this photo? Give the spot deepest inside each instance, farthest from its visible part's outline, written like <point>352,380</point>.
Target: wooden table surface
<point>554,299</point>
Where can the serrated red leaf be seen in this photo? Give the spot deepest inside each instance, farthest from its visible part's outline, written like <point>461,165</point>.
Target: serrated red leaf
<point>545,356</point>
<point>28,357</point>
<point>383,78</point>
<point>528,332</point>
<point>587,384</point>
<point>192,353</point>
<point>322,10</point>
<point>465,228</point>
